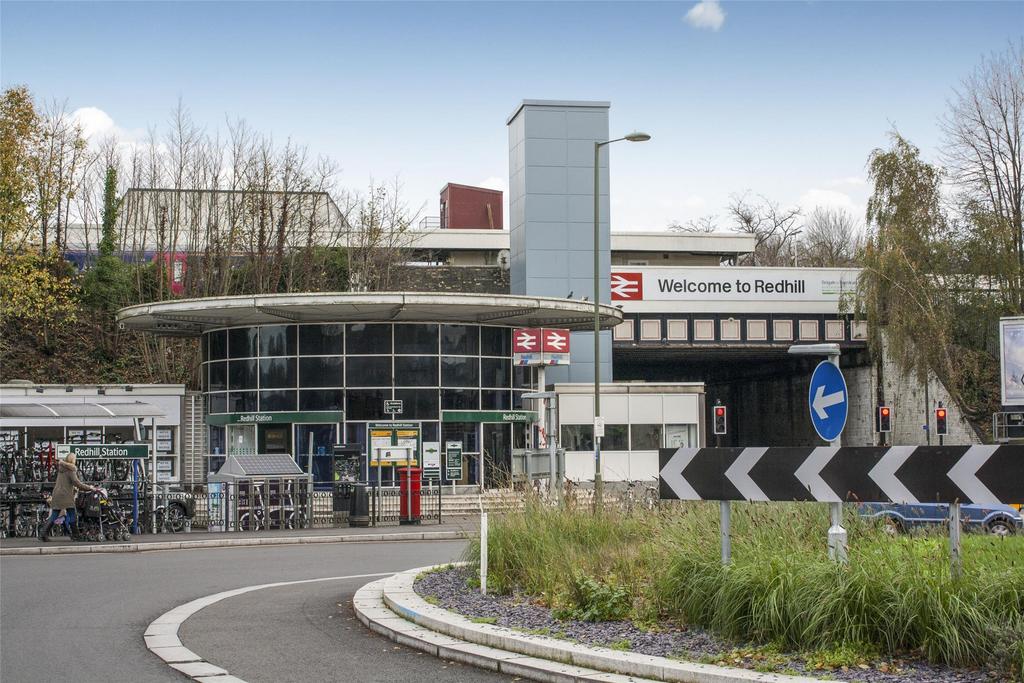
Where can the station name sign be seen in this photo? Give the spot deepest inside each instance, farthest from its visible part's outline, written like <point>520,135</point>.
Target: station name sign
<point>327,417</point>
<point>733,284</point>
<point>106,450</point>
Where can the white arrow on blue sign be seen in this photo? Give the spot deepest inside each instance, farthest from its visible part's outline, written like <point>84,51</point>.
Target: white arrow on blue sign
<point>828,401</point>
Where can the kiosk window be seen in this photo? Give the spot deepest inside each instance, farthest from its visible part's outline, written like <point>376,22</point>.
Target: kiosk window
<point>578,437</point>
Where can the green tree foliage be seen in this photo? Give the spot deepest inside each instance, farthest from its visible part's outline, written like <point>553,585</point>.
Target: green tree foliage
<point>929,285</point>
<point>107,285</point>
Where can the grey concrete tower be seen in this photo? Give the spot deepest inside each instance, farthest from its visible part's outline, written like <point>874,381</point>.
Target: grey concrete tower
<point>551,214</point>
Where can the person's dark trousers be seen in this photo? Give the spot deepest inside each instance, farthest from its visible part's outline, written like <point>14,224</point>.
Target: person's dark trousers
<point>70,523</point>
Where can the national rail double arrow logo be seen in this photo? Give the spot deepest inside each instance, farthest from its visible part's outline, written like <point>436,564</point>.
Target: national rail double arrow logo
<point>627,286</point>
<point>898,474</point>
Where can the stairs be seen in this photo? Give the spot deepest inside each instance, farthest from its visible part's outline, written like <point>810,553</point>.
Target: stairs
<point>496,500</point>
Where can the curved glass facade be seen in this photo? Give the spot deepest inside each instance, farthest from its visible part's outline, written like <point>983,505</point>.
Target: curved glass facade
<point>355,367</point>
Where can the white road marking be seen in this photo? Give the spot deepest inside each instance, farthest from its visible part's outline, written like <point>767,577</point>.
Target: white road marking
<point>162,634</point>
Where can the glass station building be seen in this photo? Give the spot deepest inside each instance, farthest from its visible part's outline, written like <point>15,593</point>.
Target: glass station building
<point>299,373</point>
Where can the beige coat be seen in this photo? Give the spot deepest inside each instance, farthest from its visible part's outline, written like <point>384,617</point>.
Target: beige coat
<point>64,489</point>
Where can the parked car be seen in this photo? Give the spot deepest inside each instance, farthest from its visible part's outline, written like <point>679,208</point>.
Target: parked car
<point>999,520</point>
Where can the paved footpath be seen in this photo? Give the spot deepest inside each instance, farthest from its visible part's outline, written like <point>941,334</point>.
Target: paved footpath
<point>81,617</point>
<point>469,525</point>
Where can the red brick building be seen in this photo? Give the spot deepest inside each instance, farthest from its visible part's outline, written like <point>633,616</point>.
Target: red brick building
<point>468,207</point>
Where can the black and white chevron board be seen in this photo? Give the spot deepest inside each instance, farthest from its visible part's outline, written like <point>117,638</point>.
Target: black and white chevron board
<point>897,474</point>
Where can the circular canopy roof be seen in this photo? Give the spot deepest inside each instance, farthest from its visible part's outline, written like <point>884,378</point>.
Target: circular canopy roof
<point>190,317</point>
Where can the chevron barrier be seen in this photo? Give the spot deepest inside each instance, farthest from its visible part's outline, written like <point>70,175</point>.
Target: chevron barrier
<point>899,474</point>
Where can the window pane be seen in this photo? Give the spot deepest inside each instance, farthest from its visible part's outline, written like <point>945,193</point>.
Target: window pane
<point>460,372</point>
<point>355,432</point>
<point>416,371</point>
<point>277,340</point>
<point>466,432</point>
<point>518,401</point>
<point>495,341</point>
<point>277,372</point>
<point>321,399</point>
<point>242,342</point>
<point>522,378</point>
<point>681,436</point>
<point>278,400</point>
<point>217,403</point>
<point>460,399</point>
<point>218,344</point>
<point>218,377</point>
<point>242,374</point>
<point>495,400</point>
<point>418,404</point>
<point>646,437</point>
<point>370,371</point>
<point>368,339</point>
<point>326,371</point>
<point>616,438</point>
<point>321,340</point>
<point>416,339</point>
<point>242,402</point>
<point>495,372</point>
<point>460,340</point>
<point>578,437</point>
<point>429,431</point>
<point>366,404</point>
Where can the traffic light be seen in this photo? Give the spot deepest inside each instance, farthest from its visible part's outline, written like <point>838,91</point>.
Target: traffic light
<point>719,426</point>
<point>941,428</point>
<point>884,419</point>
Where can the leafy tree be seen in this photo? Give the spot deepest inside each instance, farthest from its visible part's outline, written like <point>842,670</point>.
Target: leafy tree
<point>19,136</point>
<point>106,286</point>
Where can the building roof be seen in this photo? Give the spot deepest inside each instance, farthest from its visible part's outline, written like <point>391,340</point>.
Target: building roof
<point>595,104</point>
<point>191,317</point>
<point>62,410</point>
<point>720,243</point>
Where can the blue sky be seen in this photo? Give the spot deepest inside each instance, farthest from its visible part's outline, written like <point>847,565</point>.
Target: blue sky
<point>782,99</point>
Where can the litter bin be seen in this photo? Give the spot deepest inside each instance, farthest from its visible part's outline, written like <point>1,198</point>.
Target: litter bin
<point>359,506</point>
<point>409,482</point>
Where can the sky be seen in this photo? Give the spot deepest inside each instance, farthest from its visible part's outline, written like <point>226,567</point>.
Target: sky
<point>784,100</point>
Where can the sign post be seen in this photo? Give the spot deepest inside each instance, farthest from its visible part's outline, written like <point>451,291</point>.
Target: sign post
<point>453,462</point>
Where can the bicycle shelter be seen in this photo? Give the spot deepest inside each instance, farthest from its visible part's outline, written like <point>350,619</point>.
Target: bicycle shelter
<point>253,492</point>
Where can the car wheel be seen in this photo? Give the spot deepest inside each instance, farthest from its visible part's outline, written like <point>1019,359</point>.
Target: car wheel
<point>175,519</point>
<point>999,527</point>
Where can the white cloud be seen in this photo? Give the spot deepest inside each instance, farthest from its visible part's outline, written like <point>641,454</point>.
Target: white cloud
<point>95,122</point>
<point>853,181</point>
<point>706,14</point>
<point>816,197</point>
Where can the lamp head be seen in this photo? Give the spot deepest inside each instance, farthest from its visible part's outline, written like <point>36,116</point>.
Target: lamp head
<point>636,136</point>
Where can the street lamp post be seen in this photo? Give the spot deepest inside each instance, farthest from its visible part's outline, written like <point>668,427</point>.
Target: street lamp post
<point>632,137</point>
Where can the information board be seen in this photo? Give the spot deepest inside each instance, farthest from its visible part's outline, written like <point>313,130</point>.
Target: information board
<point>394,444</point>
<point>453,460</point>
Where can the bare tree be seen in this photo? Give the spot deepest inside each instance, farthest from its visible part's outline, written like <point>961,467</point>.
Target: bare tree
<point>379,238</point>
<point>831,238</point>
<point>984,150</point>
<point>773,228</point>
<point>704,224</point>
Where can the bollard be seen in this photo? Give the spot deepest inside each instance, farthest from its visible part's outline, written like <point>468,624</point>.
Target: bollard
<point>837,545</point>
<point>955,566</point>
<point>483,553</point>
<point>725,510</point>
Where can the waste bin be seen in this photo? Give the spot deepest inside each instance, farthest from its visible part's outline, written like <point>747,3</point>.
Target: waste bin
<point>409,482</point>
<point>359,506</point>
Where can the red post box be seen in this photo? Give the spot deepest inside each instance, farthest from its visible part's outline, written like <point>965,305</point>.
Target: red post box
<point>409,481</point>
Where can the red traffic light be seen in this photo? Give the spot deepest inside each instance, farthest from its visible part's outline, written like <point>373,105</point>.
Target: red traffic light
<point>885,412</point>
<point>719,411</point>
<point>940,413</point>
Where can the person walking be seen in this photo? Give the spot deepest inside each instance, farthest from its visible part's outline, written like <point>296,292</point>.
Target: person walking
<point>64,497</point>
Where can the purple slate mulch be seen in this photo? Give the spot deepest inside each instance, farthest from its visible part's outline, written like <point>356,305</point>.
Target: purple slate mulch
<point>449,588</point>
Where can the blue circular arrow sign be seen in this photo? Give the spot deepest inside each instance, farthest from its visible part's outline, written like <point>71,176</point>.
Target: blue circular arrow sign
<point>827,399</point>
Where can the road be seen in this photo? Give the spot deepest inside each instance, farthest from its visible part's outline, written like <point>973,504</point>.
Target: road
<point>81,617</point>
